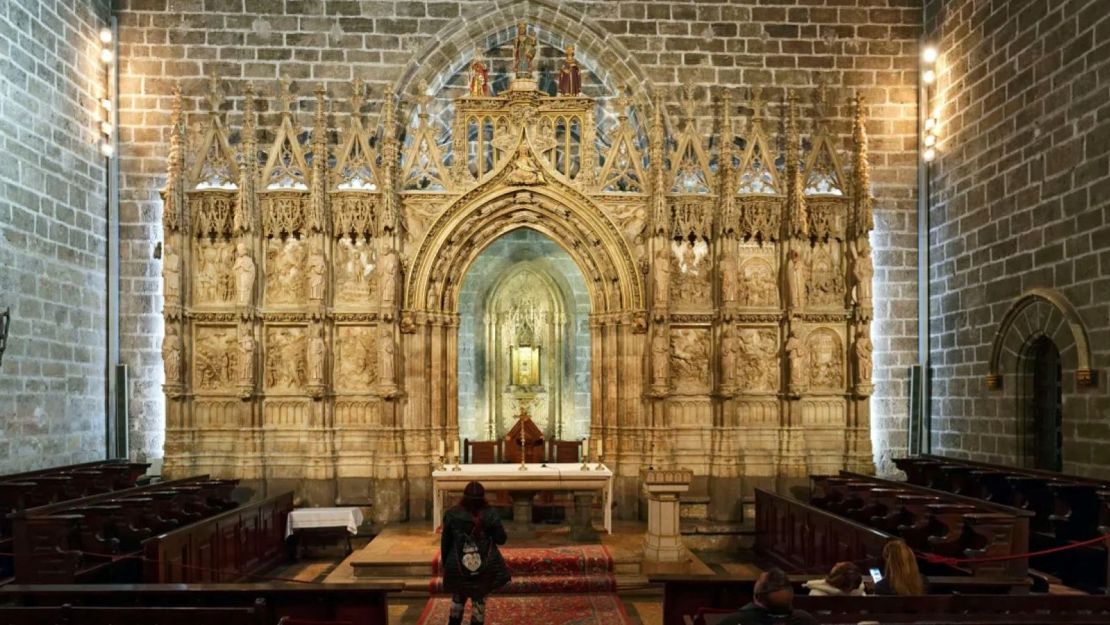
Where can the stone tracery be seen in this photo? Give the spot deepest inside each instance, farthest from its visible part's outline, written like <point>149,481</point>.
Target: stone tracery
<point>345,280</point>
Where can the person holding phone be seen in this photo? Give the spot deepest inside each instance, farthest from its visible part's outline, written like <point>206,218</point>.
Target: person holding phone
<point>900,575</point>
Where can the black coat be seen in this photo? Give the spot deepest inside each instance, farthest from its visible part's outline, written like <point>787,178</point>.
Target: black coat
<point>457,522</point>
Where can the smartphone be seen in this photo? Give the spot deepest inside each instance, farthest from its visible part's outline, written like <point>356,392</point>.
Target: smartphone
<point>876,575</point>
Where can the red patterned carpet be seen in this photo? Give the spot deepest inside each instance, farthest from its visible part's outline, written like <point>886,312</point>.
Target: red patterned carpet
<point>551,586</point>
<point>542,609</point>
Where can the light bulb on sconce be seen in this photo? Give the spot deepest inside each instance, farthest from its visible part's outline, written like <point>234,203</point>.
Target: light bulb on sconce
<point>106,128</point>
<point>929,77</point>
<point>107,150</point>
<point>106,35</point>
<point>930,124</point>
<point>929,155</point>
<point>929,54</point>
<point>930,140</point>
<point>106,55</point>
<point>106,104</point>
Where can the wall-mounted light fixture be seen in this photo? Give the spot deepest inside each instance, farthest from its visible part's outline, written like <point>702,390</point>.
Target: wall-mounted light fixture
<point>106,112</point>
<point>929,128</point>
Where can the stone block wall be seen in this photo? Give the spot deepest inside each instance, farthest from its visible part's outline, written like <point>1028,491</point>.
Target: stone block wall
<point>869,45</point>
<point>1020,201</point>
<point>52,233</point>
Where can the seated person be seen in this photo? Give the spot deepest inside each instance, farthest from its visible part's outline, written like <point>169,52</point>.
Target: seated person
<point>773,604</point>
<point>843,580</point>
<point>900,573</point>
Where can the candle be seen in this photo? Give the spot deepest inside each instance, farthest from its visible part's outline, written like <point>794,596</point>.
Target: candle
<point>441,443</point>
<point>585,448</point>
<point>600,446</point>
<point>455,448</point>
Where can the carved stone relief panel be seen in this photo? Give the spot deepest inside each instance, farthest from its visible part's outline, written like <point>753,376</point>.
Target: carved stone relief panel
<point>213,282</point>
<point>824,359</point>
<point>217,414</point>
<point>354,271</point>
<point>825,287</point>
<point>825,413</point>
<point>758,360</point>
<point>285,271</point>
<point>690,360</point>
<point>215,358</point>
<point>691,269</point>
<point>758,287</point>
<point>286,364</point>
<point>356,358</point>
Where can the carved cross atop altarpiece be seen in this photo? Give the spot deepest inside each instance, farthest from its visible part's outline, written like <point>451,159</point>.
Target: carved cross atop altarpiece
<point>311,286</point>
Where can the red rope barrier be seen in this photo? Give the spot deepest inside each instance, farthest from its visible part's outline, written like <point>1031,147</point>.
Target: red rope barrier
<point>939,559</point>
<point>118,558</point>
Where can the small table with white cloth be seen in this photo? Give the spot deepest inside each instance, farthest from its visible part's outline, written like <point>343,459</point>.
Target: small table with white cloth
<point>566,477</point>
<point>324,522</point>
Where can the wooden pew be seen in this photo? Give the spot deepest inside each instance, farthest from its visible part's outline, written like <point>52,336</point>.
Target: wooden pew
<point>1064,509</point>
<point>938,522</point>
<point>684,595</point>
<point>81,540</point>
<point>357,604</point>
<point>71,615</point>
<point>231,546</point>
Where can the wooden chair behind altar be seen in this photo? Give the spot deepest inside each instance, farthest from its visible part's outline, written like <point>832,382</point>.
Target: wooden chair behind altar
<point>534,443</point>
<point>564,451</point>
<point>482,452</point>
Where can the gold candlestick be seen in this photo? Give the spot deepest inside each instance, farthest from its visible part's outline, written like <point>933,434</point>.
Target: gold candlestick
<point>523,464</point>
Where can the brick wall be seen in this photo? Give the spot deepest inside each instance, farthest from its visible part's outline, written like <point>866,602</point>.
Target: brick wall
<point>869,45</point>
<point>1020,201</point>
<point>52,224</point>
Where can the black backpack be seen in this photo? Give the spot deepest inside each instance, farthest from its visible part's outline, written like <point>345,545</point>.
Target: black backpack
<point>471,558</point>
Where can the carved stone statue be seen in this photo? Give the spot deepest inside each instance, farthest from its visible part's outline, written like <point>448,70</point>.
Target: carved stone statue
<point>524,172</point>
<point>245,374</point>
<point>316,350</point>
<point>171,276</point>
<point>730,349</point>
<point>317,268</point>
<point>730,283</point>
<point>479,76</point>
<point>795,355</point>
<point>389,360</point>
<point>660,356</point>
<point>863,349</point>
<point>795,277</point>
<point>570,76</point>
<point>524,51</point>
<point>171,355</point>
<point>862,271</point>
<point>662,273</point>
<point>390,268</point>
<point>244,275</point>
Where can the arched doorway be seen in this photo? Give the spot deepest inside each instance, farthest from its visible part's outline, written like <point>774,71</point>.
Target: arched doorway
<point>524,340</point>
<point>1042,413</point>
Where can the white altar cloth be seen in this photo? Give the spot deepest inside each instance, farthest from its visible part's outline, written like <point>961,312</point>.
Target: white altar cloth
<point>305,518</point>
<point>538,477</point>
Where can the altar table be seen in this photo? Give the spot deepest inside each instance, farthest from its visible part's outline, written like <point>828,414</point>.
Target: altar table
<point>567,477</point>
<point>324,523</point>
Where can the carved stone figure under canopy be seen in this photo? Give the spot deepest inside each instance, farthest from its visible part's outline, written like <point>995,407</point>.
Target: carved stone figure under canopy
<point>524,51</point>
<point>171,355</point>
<point>246,356</point>
<point>796,359</point>
<point>862,271</point>
<point>316,350</point>
<point>524,172</point>
<point>390,268</point>
<point>570,76</point>
<point>863,349</point>
<point>795,277</point>
<point>316,276</point>
<point>730,349</point>
<point>660,356</point>
<point>244,275</point>
<point>662,273</point>
<point>479,76</point>
<point>389,359</point>
<point>171,276</point>
<point>730,283</point>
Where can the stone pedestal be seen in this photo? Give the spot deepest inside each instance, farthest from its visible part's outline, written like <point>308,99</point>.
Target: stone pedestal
<point>521,525</point>
<point>663,542</point>
<point>581,521</point>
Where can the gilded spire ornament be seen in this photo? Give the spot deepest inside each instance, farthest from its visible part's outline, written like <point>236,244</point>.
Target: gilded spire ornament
<point>797,222</point>
<point>318,210</point>
<point>174,197</point>
<point>729,218</point>
<point>246,203</point>
<point>863,213</point>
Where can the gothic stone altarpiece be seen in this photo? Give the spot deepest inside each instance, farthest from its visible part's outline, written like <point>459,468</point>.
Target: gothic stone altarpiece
<point>311,291</point>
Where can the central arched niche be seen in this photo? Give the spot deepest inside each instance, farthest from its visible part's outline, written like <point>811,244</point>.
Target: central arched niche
<point>524,290</point>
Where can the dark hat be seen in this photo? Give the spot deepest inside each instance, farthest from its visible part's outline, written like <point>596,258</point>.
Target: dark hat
<point>474,490</point>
